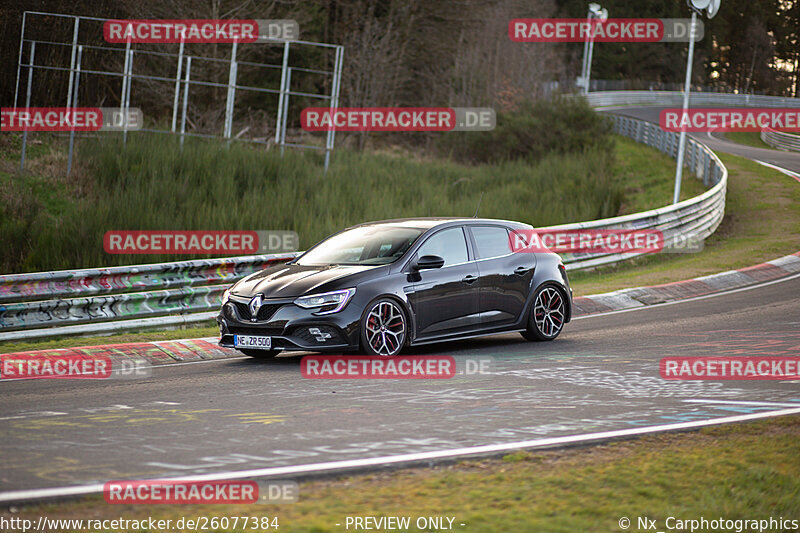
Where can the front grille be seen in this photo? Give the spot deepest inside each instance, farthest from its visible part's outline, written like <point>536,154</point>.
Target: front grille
<point>234,330</point>
<point>265,313</point>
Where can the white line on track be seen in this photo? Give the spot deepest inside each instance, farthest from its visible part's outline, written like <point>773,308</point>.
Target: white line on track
<point>790,173</point>
<point>333,466</point>
<point>740,402</point>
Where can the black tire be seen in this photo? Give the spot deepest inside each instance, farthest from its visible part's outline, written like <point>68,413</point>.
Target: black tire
<point>260,354</point>
<point>384,328</point>
<point>547,315</point>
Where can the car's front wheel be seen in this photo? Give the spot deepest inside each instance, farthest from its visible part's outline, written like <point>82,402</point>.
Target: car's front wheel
<point>547,315</point>
<point>383,328</point>
<point>261,354</point>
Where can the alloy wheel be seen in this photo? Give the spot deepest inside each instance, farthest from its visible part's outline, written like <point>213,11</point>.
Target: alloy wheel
<point>548,312</point>
<point>385,328</point>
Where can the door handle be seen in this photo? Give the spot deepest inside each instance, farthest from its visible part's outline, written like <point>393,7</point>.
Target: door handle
<point>470,279</point>
<point>522,270</point>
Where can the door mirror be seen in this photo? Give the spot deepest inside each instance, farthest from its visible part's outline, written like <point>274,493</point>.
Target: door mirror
<point>427,262</point>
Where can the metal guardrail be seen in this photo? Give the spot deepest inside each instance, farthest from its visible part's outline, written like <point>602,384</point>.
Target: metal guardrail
<point>167,294</point>
<point>698,216</point>
<point>661,98</point>
<point>119,298</point>
<point>781,140</point>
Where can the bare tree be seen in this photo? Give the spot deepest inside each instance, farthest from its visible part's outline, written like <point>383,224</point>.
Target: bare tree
<point>490,69</point>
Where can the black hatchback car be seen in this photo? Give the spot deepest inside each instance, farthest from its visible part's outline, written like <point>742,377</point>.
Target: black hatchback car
<point>380,286</point>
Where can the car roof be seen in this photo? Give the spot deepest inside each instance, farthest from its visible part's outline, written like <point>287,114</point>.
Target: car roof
<point>432,222</point>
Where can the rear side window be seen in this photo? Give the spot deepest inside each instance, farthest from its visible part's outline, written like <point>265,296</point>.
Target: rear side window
<point>492,241</point>
<point>449,244</point>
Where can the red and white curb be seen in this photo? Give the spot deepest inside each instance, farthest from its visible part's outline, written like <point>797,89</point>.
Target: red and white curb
<point>155,353</point>
<point>691,288</point>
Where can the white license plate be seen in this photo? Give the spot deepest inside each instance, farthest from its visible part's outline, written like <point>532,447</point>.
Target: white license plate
<point>252,341</point>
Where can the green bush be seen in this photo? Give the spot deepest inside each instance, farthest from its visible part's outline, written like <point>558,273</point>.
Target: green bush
<point>530,131</point>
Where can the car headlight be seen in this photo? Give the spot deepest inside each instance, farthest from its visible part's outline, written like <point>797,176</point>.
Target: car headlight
<point>226,295</point>
<point>330,302</point>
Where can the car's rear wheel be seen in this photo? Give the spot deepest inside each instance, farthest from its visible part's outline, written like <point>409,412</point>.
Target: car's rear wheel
<point>383,328</point>
<point>547,316</point>
<point>261,354</point>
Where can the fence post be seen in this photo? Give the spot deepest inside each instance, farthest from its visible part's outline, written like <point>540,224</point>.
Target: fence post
<point>27,104</point>
<point>72,61</point>
<point>337,75</point>
<point>284,68</point>
<point>125,80</point>
<point>177,86</point>
<point>19,59</point>
<point>74,104</point>
<point>231,97</point>
<point>185,97</point>
<point>127,99</point>
<point>286,108</point>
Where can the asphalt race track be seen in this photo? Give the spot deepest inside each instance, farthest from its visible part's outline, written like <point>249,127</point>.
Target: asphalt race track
<point>233,415</point>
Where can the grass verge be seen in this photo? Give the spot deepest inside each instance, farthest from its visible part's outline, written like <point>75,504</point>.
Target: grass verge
<point>735,471</point>
<point>749,138</point>
<point>762,222</point>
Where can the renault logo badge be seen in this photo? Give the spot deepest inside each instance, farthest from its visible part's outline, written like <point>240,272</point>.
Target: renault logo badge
<point>254,306</point>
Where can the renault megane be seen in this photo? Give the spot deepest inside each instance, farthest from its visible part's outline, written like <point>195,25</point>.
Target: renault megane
<point>381,286</point>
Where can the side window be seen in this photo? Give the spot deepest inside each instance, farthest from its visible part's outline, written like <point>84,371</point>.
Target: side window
<point>491,241</point>
<point>448,244</point>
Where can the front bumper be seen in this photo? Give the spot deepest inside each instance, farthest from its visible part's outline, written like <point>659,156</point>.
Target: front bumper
<point>291,327</point>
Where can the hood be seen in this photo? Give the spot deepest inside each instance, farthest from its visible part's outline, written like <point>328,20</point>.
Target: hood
<point>285,281</point>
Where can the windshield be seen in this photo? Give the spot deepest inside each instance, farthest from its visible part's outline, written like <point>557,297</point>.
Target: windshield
<point>365,245</point>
